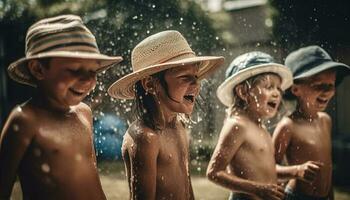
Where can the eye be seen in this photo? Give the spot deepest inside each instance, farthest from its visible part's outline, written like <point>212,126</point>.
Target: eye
<point>280,90</point>
<point>73,71</point>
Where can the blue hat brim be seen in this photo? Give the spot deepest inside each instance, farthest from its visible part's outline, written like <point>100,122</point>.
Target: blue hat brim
<point>224,91</point>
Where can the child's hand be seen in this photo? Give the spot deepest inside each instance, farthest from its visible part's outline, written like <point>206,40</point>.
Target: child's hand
<point>308,171</point>
<point>270,191</point>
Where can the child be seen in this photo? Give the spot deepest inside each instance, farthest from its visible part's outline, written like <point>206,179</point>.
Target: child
<point>47,140</point>
<point>305,136</point>
<point>243,158</point>
<point>164,84</point>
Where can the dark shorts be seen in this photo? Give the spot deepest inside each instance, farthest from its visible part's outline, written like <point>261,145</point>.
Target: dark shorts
<point>292,195</point>
<point>237,196</point>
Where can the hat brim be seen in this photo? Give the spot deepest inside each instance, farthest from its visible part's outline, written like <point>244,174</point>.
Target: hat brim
<point>326,66</point>
<point>224,91</point>
<point>19,72</point>
<point>124,87</point>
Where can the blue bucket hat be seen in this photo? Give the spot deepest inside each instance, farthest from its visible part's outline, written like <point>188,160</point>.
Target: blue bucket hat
<point>246,66</point>
<point>311,60</point>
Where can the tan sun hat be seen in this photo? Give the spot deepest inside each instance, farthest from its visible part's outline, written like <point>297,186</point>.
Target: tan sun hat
<point>158,52</point>
<point>63,36</point>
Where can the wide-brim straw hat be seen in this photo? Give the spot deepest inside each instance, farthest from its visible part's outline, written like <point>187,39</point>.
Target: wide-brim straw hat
<point>158,52</point>
<point>64,36</point>
<point>249,65</point>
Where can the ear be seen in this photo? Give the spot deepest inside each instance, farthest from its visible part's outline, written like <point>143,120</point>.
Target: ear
<point>241,92</point>
<point>295,90</point>
<point>36,69</point>
<point>148,84</point>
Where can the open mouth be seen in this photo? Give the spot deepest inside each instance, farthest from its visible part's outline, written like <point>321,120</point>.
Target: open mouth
<point>77,93</point>
<point>322,101</point>
<point>189,98</point>
<point>272,104</point>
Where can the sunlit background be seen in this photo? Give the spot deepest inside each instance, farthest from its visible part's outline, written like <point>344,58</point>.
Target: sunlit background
<point>212,27</point>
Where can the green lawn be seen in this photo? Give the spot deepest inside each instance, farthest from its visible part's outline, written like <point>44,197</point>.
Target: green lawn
<point>115,185</point>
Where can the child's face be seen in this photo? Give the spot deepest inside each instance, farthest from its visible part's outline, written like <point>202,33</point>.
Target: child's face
<point>265,96</point>
<point>315,93</point>
<point>68,81</point>
<point>183,88</point>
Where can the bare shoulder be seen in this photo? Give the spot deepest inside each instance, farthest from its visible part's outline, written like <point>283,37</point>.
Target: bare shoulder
<point>325,117</point>
<point>23,120</point>
<point>142,134</point>
<point>234,127</point>
<point>284,126</point>
<point>83,108</point>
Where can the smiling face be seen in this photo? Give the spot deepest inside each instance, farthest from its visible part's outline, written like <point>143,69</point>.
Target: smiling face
<point>314,93</point>
<point>68,81</point>
<point>264,96</point>
<point>181,89</point>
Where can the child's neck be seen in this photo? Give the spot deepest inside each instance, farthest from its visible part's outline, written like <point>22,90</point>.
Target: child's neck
<point>305,114</point>
<point>166,118</point>
<point>253,116</point>
<point>50,104</point>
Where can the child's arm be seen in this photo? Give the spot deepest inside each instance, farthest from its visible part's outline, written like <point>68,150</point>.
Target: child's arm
<point>281,139</point>
<point>144,165</point>
<point>230,140</point>
<point>15,138</point>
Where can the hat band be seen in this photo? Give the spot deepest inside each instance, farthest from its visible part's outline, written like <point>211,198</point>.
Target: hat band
<point>73,47</point>
<point>184,55</point>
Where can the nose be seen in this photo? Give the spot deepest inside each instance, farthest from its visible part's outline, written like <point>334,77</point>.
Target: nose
<point>88,78</point>
<point>329,91</point>
<point>276,92</point>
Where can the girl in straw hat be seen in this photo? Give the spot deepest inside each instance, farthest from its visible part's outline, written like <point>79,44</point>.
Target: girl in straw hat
<point>243,160</point>
<point>47,140</point>
<point>164,84</point>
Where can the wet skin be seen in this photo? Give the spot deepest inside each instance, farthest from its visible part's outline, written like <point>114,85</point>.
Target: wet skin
<point>156,161</point>
<point>243,159</point>
<point>305,138</point>
<point>47,141</point>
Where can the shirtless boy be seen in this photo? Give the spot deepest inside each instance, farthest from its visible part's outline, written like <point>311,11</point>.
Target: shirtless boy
<point>47,141</point>
<point>243,159</point>
<point>165,76</point>
<point>304,137</point>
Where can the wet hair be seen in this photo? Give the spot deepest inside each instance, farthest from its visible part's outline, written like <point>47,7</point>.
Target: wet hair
<point>146,104</point>
<point>239,103</point>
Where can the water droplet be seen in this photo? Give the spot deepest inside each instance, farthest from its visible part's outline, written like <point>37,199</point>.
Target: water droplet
<point>45,168</point>
<point>78,157</point>
<point>15,127</point>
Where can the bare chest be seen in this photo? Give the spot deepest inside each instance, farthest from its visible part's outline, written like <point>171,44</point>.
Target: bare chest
<point>259,141</point>
<point>316,137</point>
<point>63,137</point>
<point>173,147</point>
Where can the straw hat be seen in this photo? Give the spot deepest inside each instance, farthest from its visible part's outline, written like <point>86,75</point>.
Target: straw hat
<point>159,52</point>
<point>246,66</point>
<point>62,36</point>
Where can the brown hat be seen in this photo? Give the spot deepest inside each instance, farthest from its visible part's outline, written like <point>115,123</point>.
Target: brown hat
<point>158,52</point>
<point>63,36</point>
